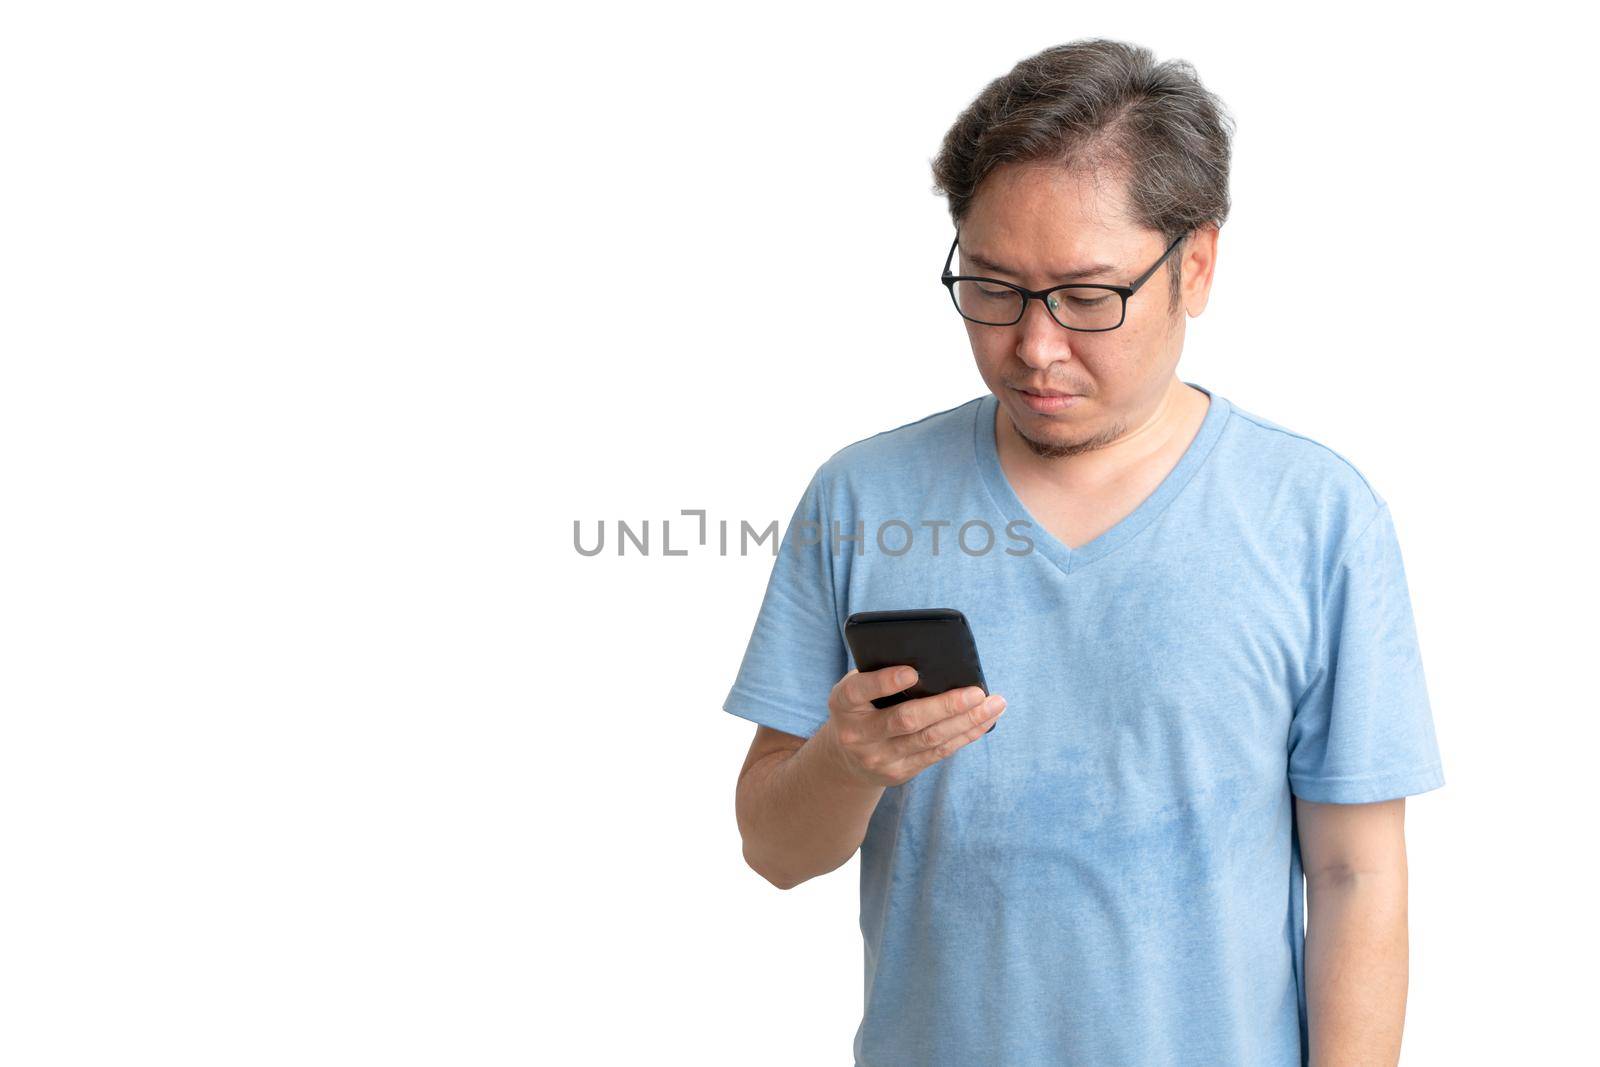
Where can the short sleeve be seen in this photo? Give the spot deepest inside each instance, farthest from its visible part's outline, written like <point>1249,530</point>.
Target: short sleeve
<point>796,652</point>
<point>1363,730</point>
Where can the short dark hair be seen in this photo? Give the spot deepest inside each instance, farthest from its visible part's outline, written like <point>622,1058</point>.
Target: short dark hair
<point>1104,105</point>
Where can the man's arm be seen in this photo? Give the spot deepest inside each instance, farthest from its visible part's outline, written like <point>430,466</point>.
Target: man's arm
<point>804,805</point>
<point>1357,953</point>
<point>800,815</point>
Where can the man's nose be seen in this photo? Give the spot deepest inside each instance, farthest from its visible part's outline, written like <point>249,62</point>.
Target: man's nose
<point>1042,340</point>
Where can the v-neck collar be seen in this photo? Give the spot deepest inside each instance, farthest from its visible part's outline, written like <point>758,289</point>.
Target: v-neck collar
<point>1070,559</point>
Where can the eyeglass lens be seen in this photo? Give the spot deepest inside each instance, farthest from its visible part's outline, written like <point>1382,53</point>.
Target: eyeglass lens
<point>1079,308</point>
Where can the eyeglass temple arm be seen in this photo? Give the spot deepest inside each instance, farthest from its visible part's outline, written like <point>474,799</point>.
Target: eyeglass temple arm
<point>1155,266</point>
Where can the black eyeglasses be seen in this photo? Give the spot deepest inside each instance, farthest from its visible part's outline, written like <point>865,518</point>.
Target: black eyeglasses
<point>1086,308</point>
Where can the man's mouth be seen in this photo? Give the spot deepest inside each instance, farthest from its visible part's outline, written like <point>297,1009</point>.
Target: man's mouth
<point>1048,401</point>
<point>1044,392</point>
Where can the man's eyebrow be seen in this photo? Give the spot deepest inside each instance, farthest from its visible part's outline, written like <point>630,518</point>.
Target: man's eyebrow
<point>1088,271</point>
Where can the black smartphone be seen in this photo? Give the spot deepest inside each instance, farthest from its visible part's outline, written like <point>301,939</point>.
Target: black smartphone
<point>936,642</point>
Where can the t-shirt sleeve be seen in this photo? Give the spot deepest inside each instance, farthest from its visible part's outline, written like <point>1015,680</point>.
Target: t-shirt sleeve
<point>1363,730</point>
<point>797,651</point>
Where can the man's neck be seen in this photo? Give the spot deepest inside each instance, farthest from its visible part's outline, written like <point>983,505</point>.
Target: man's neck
<point>1168,424</point>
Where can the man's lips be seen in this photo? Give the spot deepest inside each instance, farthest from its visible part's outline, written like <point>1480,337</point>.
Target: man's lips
<point>1044,392</point>
<point>1048,402</point>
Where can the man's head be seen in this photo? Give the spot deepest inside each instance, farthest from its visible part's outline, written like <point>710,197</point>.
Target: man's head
<point>1088,153</point>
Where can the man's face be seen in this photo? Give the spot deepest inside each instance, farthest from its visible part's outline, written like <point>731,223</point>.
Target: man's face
<point>1039,222</point>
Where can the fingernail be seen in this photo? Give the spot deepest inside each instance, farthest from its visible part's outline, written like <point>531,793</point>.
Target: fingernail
<point>905,677</point>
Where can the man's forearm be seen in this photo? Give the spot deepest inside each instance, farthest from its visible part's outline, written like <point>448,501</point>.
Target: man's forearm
<point>800,815</point>
<point>1357,966</point>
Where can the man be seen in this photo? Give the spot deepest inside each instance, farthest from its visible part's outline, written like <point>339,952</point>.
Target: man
<point>1204,661</point>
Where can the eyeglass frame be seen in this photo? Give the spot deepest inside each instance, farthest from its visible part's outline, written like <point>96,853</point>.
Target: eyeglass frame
<point>1124,291</point>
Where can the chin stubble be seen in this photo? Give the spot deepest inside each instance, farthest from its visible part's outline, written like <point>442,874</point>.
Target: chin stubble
<point>1055,450</point>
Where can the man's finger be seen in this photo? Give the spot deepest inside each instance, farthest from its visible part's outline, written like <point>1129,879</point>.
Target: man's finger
<point>858,689</point>
<point>954,735</point>
<point>914,716</point>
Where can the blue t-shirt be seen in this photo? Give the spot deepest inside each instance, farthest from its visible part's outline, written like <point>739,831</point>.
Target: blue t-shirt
<point>1112,876</point>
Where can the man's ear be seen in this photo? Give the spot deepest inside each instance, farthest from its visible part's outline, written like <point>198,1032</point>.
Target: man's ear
<point>1199,259</point>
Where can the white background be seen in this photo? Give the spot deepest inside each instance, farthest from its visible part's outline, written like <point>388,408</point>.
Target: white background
<point>322,323</point>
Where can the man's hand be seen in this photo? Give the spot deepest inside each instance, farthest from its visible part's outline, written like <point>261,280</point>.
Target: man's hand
<point>890,746</point>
